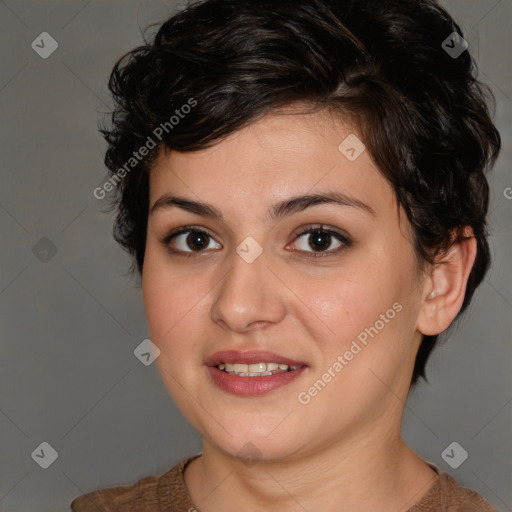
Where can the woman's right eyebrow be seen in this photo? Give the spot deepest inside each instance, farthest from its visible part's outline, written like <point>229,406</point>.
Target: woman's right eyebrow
<point>169,201</point>
<point>275,213</point>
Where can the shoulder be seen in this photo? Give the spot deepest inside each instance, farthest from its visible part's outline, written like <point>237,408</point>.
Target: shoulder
<point>117,498</point>
<point>155,493</point>
<point>447,495</point>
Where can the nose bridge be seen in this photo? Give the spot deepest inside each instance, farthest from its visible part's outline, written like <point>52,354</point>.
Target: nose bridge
<point>246,295</point>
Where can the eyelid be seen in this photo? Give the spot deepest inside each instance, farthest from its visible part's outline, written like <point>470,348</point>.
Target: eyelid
<point>180,231</point>
<point>345,240</point>
<point>309,229</point>
<point>184,229</point>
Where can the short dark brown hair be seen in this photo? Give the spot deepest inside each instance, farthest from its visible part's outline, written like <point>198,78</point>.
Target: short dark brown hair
<point>419,109</point>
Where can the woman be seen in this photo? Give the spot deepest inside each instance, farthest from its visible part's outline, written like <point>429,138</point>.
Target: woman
<point>301,185</point>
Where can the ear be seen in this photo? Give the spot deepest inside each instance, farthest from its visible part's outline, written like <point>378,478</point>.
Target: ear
<point>445,287</point>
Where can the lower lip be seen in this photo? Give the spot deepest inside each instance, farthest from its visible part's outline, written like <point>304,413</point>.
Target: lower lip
<point>252,386</point>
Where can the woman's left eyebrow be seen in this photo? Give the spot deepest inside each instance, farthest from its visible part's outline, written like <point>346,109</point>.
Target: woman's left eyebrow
<point>275,213</point>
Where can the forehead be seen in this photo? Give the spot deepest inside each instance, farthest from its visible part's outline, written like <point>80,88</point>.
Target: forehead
<point>276,157</point>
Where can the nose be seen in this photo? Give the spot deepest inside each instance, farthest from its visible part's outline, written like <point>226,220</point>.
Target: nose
<point>249,296</point>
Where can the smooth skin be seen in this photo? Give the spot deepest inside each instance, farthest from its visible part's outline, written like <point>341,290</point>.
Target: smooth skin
<point>343,448</point>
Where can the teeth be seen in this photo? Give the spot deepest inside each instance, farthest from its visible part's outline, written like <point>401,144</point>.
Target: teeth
<point>257,367</point>
<point>254,369</point>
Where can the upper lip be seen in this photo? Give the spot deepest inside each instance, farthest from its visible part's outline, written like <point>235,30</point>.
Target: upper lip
<point>248,357</point>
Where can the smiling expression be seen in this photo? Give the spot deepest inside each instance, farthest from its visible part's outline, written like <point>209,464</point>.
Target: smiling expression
<point>306,296</point>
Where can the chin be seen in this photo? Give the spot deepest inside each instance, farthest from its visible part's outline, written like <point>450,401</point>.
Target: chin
<point>246,443</point>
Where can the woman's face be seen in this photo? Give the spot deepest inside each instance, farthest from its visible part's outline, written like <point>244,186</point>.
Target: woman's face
<point>345,307</point>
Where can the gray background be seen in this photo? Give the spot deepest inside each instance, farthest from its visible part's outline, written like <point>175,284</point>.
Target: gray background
<point>69,325</point>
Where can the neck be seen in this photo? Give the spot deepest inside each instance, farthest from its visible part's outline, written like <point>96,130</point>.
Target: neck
<point>360,473</point>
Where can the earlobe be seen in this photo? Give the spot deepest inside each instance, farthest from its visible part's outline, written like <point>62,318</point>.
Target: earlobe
<point>445,288</point>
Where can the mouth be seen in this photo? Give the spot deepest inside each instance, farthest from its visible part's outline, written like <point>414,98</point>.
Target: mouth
<point>255,369</point>
<point>252,373</point>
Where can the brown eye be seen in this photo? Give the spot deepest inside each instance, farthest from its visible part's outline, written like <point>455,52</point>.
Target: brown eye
<point>319,240</point>
<point>196,240</point>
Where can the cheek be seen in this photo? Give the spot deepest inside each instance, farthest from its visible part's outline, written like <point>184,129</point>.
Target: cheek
<point>344,302</point>
<point>359,314</point>
<point>176,308</point>
<point>164,303</point>
<point>164,291</point>
<point>172,304</point>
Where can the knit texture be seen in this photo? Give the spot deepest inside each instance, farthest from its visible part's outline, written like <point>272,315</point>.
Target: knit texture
<point>168,493</point>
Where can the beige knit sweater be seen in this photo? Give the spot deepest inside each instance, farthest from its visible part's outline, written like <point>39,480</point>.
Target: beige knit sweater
<point>168,493</point>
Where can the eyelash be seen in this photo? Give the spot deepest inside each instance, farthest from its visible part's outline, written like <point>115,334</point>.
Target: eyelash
<point>308,230</point>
